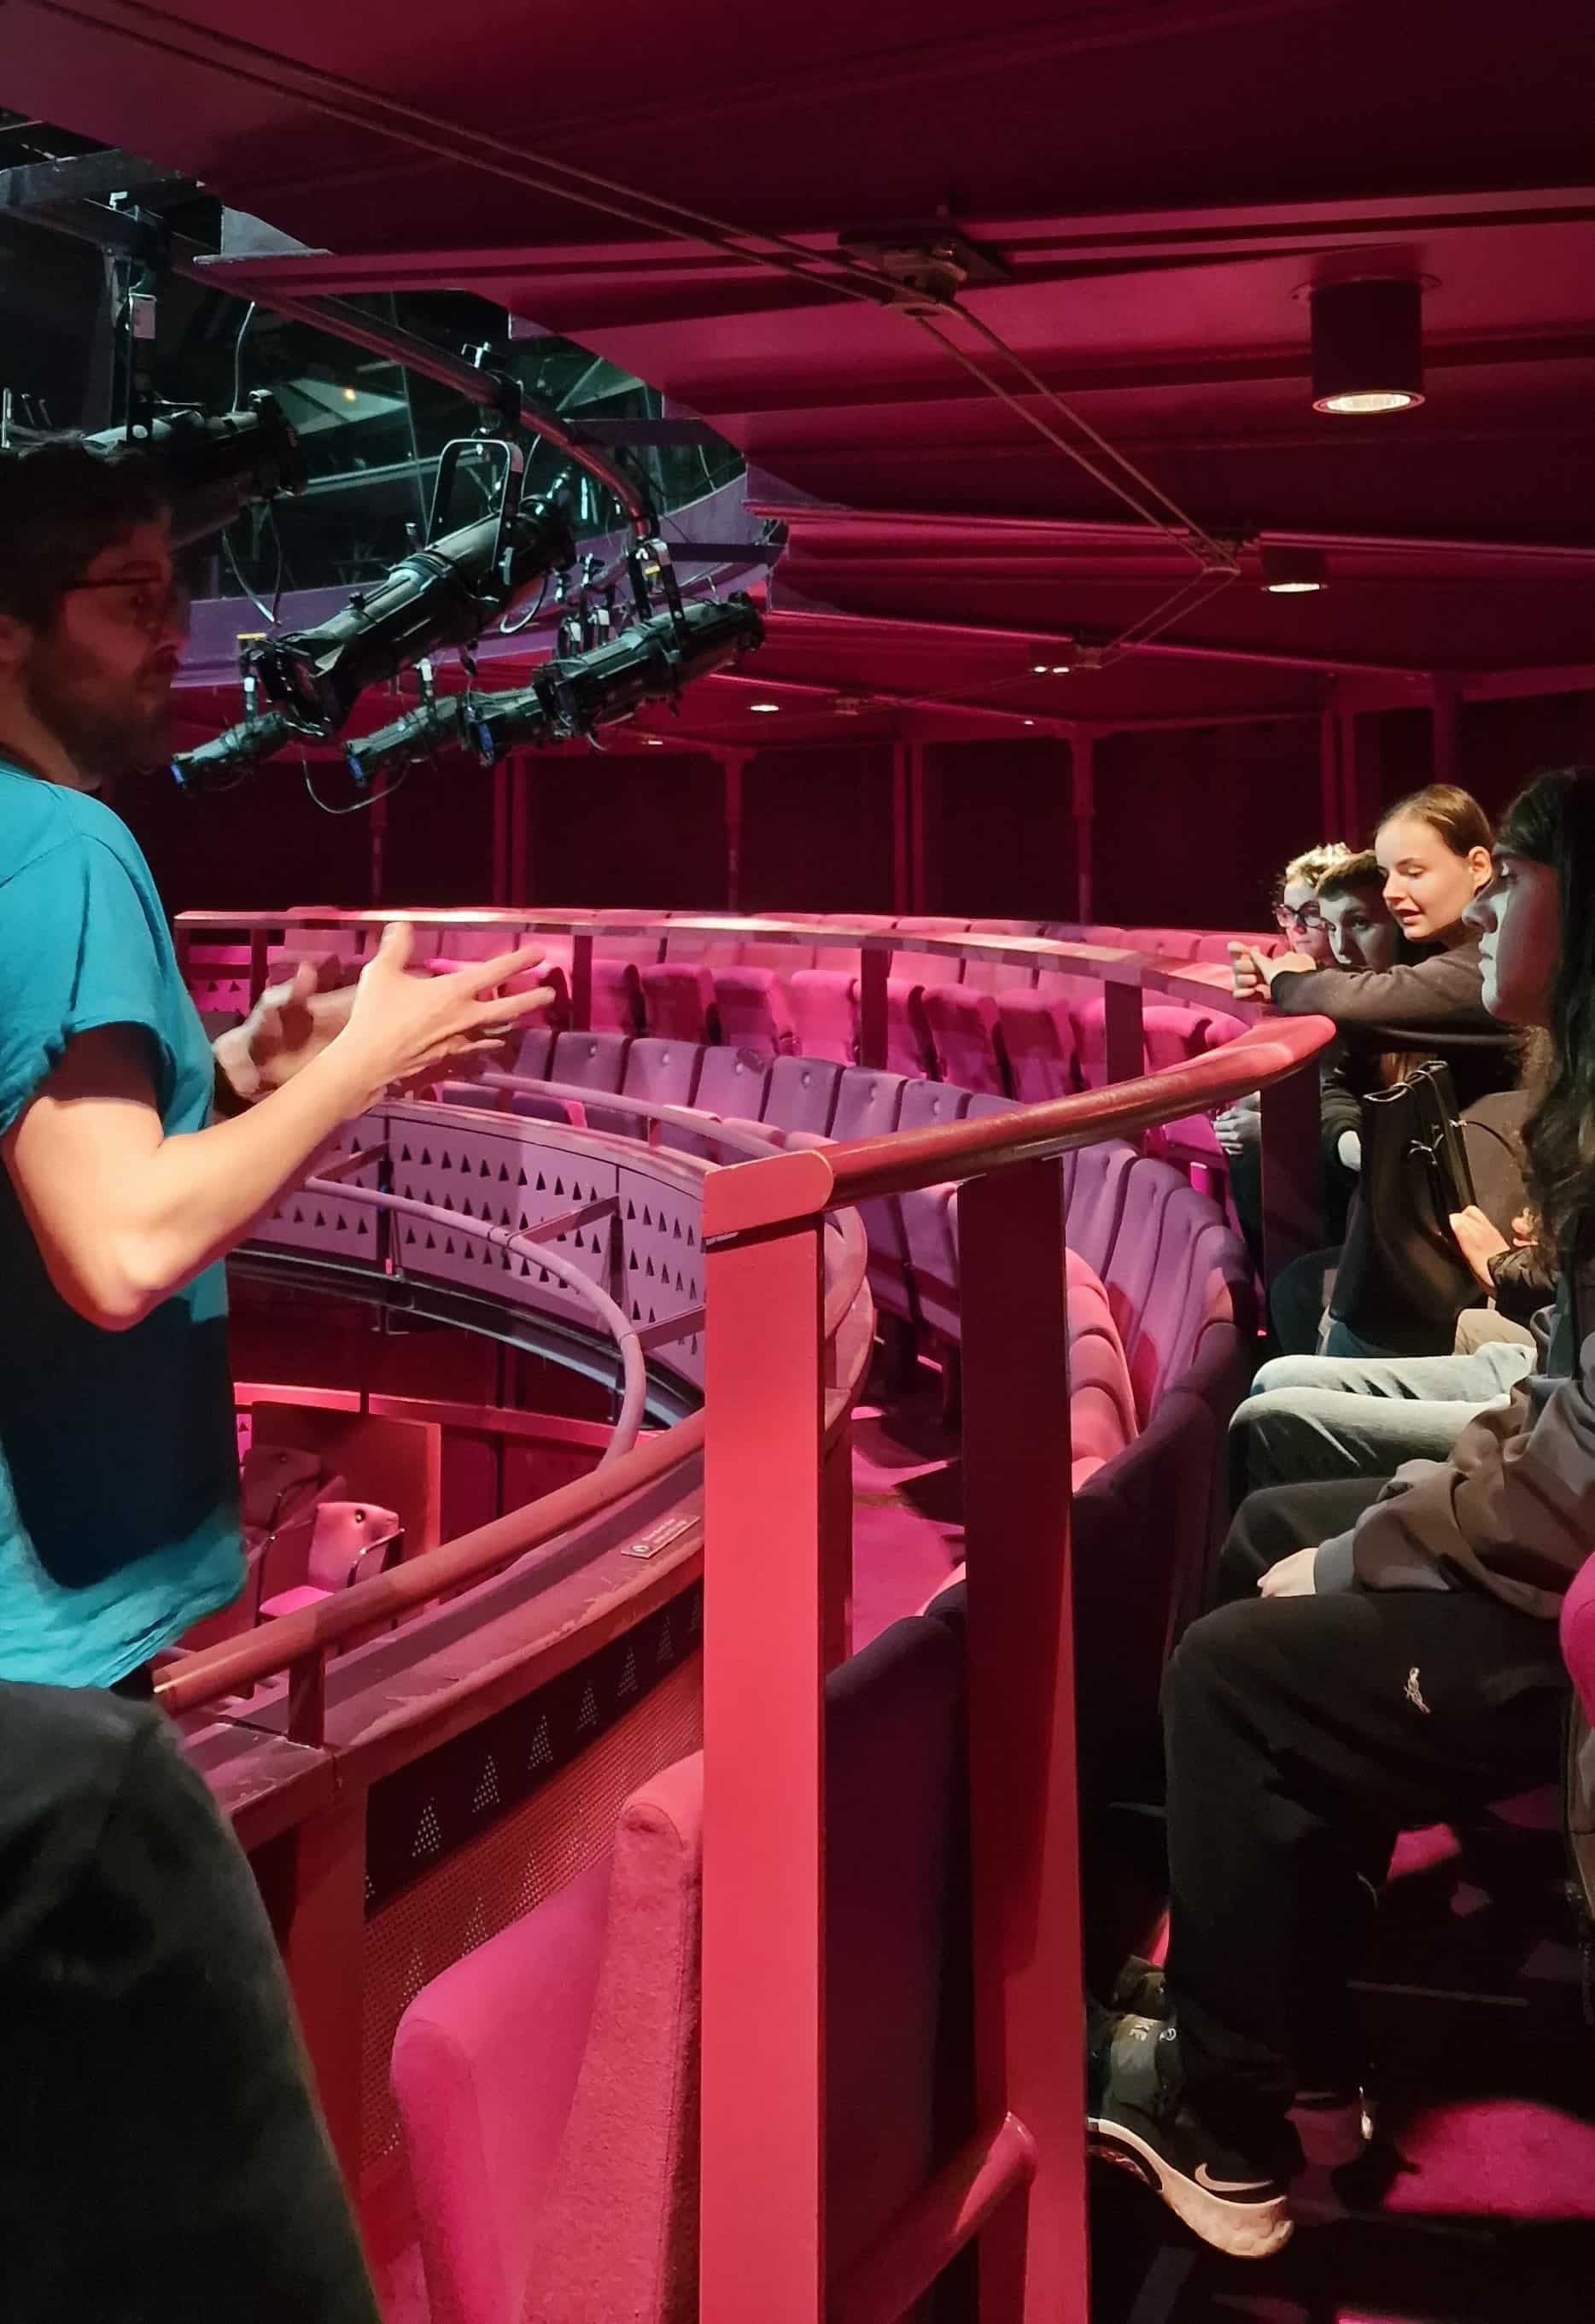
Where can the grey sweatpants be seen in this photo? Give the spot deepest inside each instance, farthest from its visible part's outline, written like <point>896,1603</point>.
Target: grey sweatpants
<point>1340,1417</point>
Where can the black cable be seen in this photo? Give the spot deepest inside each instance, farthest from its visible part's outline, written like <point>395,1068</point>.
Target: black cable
<point>359,805</point>
<point>238,357</point>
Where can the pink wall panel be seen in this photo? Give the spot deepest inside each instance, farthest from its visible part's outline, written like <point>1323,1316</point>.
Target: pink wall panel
<point>643,827</point>
<point>1191,823</point>
<point>817,830</point>
<point>1002,830</point>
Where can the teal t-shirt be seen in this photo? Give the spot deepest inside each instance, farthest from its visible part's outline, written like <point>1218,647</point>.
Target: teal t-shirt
<point>118,1462</point>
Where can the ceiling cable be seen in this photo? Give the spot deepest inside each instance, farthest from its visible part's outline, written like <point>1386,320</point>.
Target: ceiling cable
<point>345,101</point>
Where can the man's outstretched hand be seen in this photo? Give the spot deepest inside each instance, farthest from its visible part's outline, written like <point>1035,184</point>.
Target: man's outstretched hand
<point>291,1023</point>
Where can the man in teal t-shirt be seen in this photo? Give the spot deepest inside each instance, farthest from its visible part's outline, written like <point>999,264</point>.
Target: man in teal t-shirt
<point>118,1466</point>
<point>120,1195</point>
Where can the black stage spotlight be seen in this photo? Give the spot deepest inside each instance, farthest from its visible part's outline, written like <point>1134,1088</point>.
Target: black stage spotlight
<point>228,758</point>
<point>649,662</point>
<point>437,723</point>
<point>212,469</point>
<point>442,596</point>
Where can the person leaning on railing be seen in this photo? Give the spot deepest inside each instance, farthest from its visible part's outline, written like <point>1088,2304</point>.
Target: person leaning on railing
<point>1396,1664</point>
<point>1435,849</point>
<point>122,1192</point>
<point>1348,926</point>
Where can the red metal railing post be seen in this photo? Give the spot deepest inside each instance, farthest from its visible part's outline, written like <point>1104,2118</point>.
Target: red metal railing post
<point>1124,1038</point>
<point>763,1979</point>
<point>874,963</point>
<point>1293,1202</point>
<point>1023,1808</point>
<point>581,980</point>
<point>313,1880</point>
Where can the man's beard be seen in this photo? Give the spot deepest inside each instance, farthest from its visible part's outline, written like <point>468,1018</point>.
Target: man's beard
<point>105,729</point>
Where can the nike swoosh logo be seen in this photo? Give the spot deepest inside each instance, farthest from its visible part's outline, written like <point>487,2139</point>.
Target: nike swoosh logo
<point>1205,2178</point>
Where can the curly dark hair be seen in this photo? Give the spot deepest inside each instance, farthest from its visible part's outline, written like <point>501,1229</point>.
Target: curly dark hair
<point>61,504</point>
<point>1553,821</point>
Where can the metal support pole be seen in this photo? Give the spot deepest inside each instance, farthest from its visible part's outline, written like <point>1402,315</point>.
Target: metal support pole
<point>1442,706</point>
<point>1293,1200</point>
<point>731,763</point>
<point>874,961</point>
<point>1124,1037</point>
<point>502,779</point>
<point>917,881</point>
<point>762,2216</point>
<point>313,1883</point>
<point>1334,819</point>
<point>1023,1810</point>
<point>899,828</point>
<point>1083,781</point>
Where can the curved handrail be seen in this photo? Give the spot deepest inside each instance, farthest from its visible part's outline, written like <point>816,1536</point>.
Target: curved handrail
<point>713,1128</point>
<point>797,1186</point>
<point>297,1640</point>
<point>1195,982</point>
<point>621,1330</point>
<point>235,1664</point>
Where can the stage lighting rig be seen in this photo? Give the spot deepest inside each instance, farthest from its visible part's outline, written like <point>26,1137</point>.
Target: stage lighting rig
<point>230,756</point>
<point>442,593</point>
<point>650,661</point>
<point>211,469</point>
<point>436,723</point>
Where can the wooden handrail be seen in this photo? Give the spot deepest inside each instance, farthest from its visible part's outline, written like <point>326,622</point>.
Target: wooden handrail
<point>1195,984</point>
<point>233,1665</point>
<point>793,1187</point>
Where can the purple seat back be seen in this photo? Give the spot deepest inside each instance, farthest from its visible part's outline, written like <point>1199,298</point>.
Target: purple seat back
<point>532,1053</point>
<point>1175,1269</point>
<point>1096,1181</point>
<point>929,1105</point>
<point>731,1083</point>
<point>801,1094</point>
<point>869,1104</point>
<point>596,1061</point>
<point>664,1072</point>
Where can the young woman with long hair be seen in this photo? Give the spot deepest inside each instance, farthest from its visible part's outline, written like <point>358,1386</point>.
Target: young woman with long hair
<point>1399,1667</point>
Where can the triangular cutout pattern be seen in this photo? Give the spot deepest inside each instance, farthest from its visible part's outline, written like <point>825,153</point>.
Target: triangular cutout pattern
<point>665,1652</point>
<point>486,1793</point>
<point>587,1716</point>
<point>628,1681</point>
<point>542,1751</point>
<point>428,1834</point>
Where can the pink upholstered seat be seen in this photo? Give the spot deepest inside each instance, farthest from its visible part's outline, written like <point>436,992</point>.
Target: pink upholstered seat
<point>1578,1635</point>
<point>966,1037</point>
<point>825,1004</point>
<point>678,1001</point>
<point>1103,1418</point>
<point>546,2083</point>
<point>754,1009</point>
<point>1038,1041</point>
<point>347,1542</point>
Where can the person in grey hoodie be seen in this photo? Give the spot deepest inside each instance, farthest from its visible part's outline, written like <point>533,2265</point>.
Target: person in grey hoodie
<point>1395,1665</point>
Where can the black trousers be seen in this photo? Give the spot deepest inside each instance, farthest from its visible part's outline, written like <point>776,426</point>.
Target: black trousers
<point>1302,1735</point>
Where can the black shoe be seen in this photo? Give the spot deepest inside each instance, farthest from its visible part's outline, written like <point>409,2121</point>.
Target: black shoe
<point>1334,2125</point>
<point>1136,2116</point>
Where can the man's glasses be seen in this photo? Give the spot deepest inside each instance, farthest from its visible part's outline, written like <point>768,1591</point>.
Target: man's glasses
<point>1308,916</point>
<point>146,603</point>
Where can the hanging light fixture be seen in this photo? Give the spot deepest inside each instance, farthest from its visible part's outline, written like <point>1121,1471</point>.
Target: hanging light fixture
<point>1288,572</point>
<point>1367,346</point>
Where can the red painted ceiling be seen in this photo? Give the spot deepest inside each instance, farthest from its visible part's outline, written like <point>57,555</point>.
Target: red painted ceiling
<point>1159,179</point>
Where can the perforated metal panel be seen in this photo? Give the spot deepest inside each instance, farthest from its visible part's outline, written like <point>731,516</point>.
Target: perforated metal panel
<point>664,1264</point>
<point>501,1172</point>
<point>319,1222</point>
